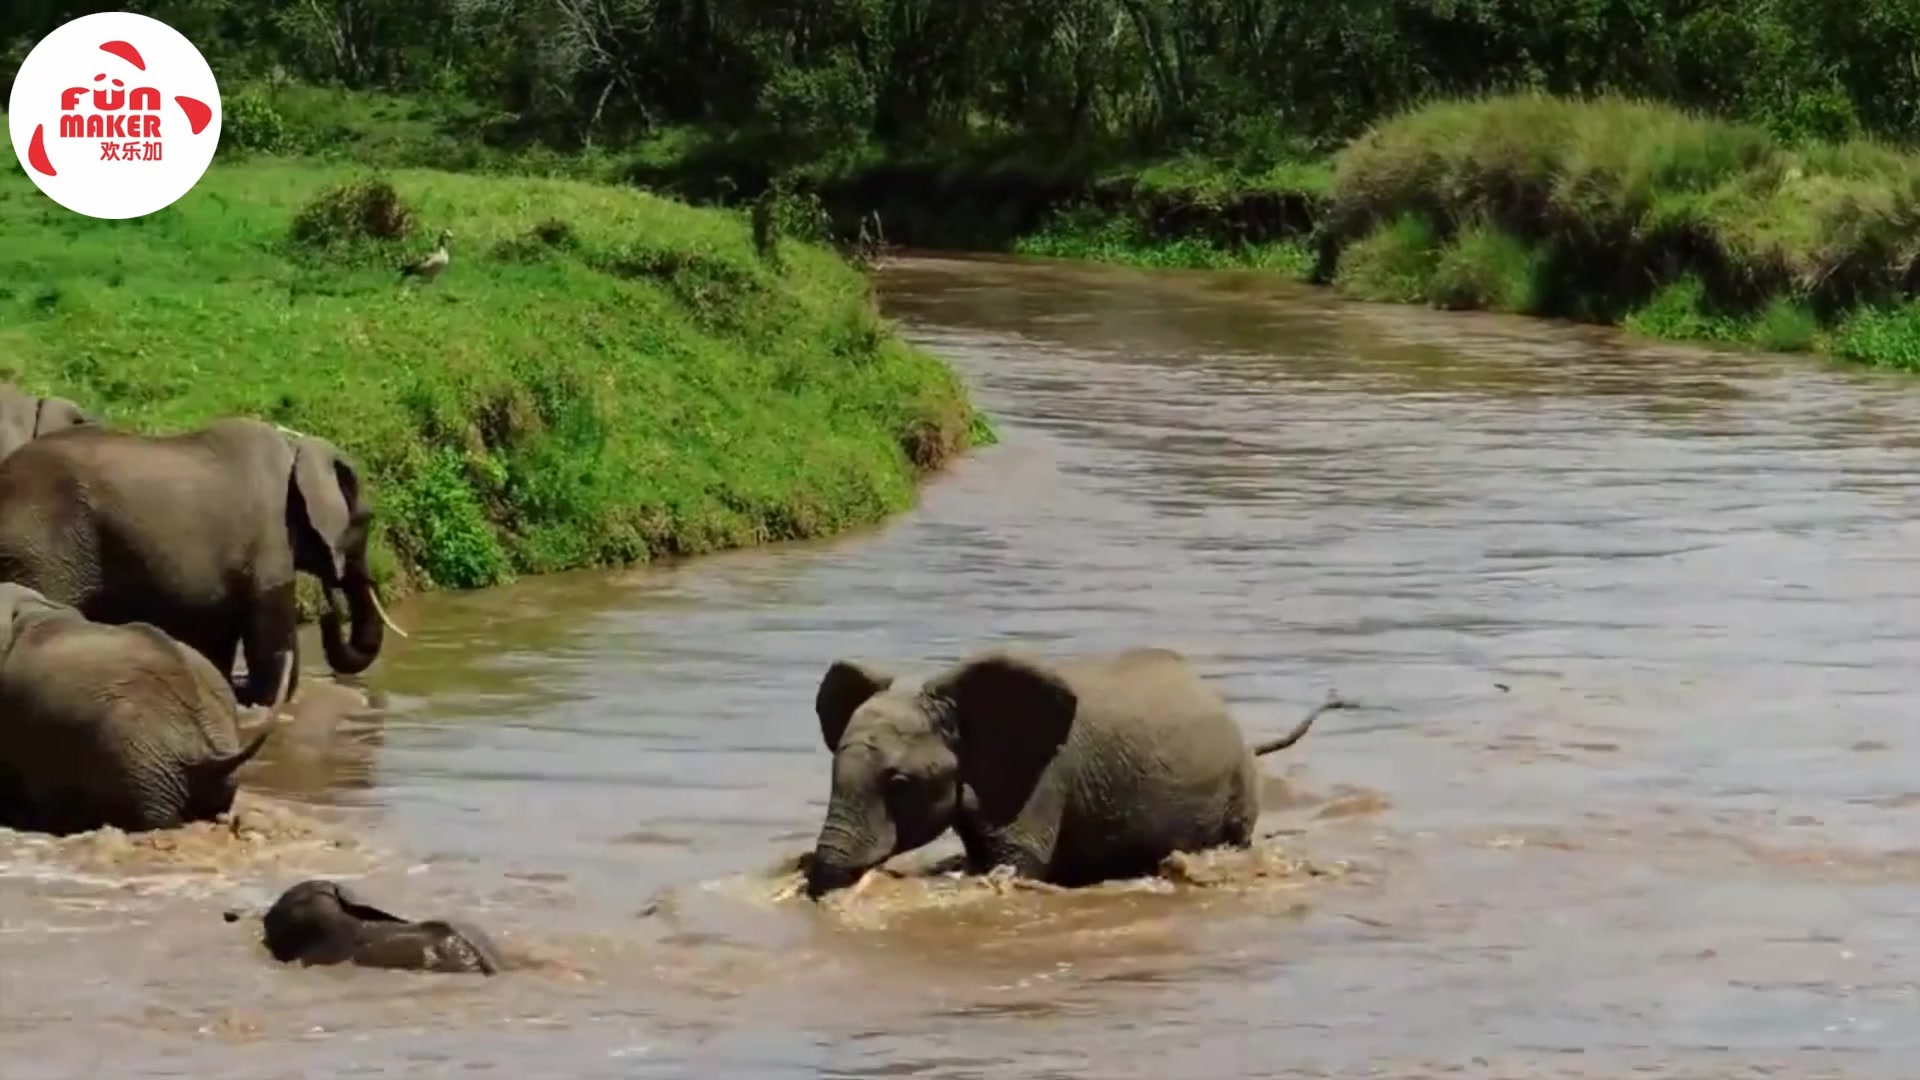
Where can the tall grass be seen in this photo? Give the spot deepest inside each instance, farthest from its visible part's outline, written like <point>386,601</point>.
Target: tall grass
<point>1623,199</point>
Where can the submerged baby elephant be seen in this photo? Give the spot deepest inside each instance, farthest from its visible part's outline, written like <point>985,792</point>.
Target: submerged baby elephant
<point>323,922</point>
<point>1072,772</point>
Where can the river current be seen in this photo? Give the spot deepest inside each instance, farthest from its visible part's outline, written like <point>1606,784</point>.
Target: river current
<point>1631,791</point>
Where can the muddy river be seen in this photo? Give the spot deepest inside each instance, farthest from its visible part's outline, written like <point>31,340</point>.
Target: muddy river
<point>1631,791</point>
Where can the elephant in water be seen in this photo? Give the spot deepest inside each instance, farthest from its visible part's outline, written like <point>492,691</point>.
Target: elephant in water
<point>110,724</point>
<point>198,534</point>
<point>323,922</point>
<point>24,418</point>
<point>1087,769</point>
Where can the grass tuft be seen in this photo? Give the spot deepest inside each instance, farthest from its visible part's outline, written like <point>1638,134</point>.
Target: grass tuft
<point>1487,268</point>
<point>1395,264</point>
<point>1881,337</point>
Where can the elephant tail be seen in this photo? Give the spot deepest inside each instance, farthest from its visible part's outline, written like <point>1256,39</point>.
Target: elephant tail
<point>1334,701</point>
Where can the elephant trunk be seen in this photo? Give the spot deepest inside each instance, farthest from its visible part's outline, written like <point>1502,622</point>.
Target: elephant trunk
<point>824,877</point>
<point>843,854</point>
<point>356,652</point>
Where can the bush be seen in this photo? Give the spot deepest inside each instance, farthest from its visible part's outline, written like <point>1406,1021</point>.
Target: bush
<point>249,122</point>
<point>1487,268</point>
<point>1395,264</point>
<point>1633,195</point>
<point>353,213</point>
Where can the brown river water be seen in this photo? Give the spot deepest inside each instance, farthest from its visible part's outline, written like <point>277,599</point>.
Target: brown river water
<point>1630,794</point>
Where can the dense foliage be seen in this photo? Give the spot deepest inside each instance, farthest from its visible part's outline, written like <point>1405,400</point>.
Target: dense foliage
<point>1250,75</point>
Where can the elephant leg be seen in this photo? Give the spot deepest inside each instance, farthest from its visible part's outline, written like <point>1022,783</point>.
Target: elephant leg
<point>269,643</point>
<point>219,649</point>
<point>987,847</point>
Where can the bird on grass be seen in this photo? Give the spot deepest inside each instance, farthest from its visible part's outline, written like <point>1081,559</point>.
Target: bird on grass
<point>428,268</point>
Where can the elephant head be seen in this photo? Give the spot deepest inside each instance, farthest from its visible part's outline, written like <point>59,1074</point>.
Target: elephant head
<point>329,522</point>
<point>902,754</point>
<point>24,417</point>
<point>323,922</point>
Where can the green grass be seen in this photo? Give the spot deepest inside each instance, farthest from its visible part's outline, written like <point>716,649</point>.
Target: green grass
<point>600,377</point>
<point>1668,223</point>
<point>1393,264</point>
<point>1094,235</point>
<point>1671,224</point>
<point>1207,182</point>
<point>1188,212</point>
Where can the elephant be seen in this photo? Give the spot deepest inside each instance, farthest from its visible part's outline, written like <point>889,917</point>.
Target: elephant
<point>1070,772</point>
<point>111,725</point>
<point>199,534</point>
<point>324,922</point>
<point>24,418</point>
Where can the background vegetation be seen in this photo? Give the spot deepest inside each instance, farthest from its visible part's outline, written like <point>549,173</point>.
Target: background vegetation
<point>1725,170</point>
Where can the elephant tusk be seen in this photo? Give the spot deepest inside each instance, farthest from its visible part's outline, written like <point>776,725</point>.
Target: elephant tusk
<point>280,691</point>
<point>382,612</point>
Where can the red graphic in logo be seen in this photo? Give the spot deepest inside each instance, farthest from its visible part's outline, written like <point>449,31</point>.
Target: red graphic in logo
<point>125,123</point>
<point>125,51</point>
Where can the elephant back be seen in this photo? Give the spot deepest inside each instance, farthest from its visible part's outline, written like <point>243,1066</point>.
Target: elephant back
<point>1155,761</point>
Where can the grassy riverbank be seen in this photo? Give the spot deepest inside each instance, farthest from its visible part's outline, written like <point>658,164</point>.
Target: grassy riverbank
<point>600,377</point>
<point>1609,210</point>
<point>1666,222</point>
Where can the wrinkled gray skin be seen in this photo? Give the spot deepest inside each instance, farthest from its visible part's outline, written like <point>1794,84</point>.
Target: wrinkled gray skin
<point>324,922</point>
<point>198,534</point>
<point>1071,772</point>
<point>24,418</point>
<point>109,725</point>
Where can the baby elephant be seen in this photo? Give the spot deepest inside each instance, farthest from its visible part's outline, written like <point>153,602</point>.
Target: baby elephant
<point>323,922</point>
<point>1087,769</point>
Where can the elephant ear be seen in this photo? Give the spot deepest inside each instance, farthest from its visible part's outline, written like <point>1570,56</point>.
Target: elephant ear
<point>845,687</point>
<point>207,774</point>
<point>57,413</point>
<point>328,490</point>
<point>1012,715</point>
<point>351,903</point>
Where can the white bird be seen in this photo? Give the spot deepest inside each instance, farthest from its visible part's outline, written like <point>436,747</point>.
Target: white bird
<point>436,260</point>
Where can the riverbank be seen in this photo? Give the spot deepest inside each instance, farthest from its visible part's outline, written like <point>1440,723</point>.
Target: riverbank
<point>600,377</point>
<point>1664,222</point>
<point>1613,211</point>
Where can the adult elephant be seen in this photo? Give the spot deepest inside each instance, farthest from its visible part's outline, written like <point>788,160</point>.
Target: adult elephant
<point>24,417</point>
<point>109,725</point>
<point>198,534</point>
<point>1072,772</point>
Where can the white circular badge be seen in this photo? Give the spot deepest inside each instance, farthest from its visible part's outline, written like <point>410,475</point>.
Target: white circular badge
<point>115,115</point>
